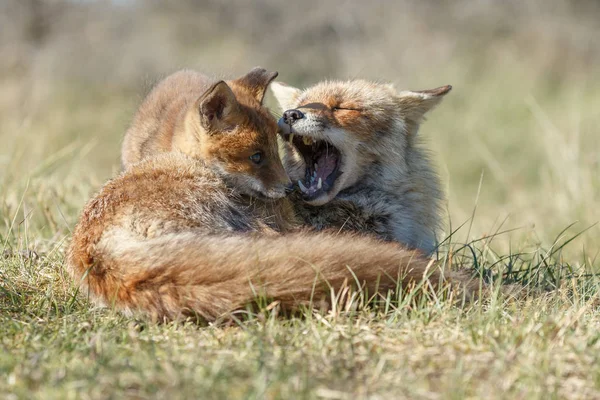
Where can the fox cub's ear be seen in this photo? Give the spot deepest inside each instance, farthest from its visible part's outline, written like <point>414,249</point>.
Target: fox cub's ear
<point>256,82</point>
<point>215,105</point>
<point>415,104</point>
<point>286,95</point>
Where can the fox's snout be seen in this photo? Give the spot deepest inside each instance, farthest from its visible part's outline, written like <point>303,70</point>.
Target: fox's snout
<point>280,185</point>
<point>291,116</point>
<point>284,187</point>
<point>280,190</point>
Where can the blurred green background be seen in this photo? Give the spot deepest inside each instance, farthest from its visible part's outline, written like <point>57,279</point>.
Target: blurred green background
<point>518,137</point>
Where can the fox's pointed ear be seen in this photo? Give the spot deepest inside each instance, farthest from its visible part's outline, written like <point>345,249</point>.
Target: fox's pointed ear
<point>286,95</point>
<point>415,104</point>
<point>256,82</point>
<point>215,105</point>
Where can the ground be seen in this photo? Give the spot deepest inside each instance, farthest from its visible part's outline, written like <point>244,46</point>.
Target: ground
<point>516,143</point>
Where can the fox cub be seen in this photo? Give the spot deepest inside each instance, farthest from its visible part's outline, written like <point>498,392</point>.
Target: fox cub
<point>220,122</point>
<point>180,235</point>
<point>354,150</point>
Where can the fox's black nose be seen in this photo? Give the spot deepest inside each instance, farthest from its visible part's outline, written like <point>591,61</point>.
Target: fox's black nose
<point>290,116</point>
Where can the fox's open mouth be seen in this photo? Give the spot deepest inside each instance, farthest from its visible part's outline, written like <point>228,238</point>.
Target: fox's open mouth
<point>322,164</point>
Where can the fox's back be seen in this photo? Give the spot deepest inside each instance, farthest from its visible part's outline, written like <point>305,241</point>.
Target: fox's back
<point>161,114</point>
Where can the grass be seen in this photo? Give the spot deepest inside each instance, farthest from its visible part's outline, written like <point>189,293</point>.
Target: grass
<point>56,346</point>
<point>516,143</point>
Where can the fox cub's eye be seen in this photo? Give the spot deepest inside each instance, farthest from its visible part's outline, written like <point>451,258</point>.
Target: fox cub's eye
<point>257,157</point>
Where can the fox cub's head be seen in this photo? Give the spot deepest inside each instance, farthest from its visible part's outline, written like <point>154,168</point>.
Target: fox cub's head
<point>238,136</point>
<point>334,131</point>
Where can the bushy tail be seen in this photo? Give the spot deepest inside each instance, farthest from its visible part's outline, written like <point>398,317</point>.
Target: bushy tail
<point>209,276</point>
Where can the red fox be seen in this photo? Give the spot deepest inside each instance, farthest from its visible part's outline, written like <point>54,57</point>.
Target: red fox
<point>354,150</point>
<point>175,235</point>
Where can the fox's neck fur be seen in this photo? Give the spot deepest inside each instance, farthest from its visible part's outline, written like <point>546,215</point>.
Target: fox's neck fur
<point>400,185</point>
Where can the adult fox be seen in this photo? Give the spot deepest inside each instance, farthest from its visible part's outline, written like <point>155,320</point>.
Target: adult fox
<point>354,150</point>
<point>205,234</point>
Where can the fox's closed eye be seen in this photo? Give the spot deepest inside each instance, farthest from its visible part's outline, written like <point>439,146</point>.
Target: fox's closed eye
<point>344,109</point>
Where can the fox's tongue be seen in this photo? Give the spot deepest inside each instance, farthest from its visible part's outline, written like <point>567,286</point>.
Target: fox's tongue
<point>325,165</point>
<point>316,177</point>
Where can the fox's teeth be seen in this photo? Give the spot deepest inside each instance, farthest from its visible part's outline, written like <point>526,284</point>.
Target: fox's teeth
<point>315,175</point>
<point>302,187</point>
<point>291,137</point>
<point>307,140</point>
<point>320,184</point>
<point>316,167</point>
